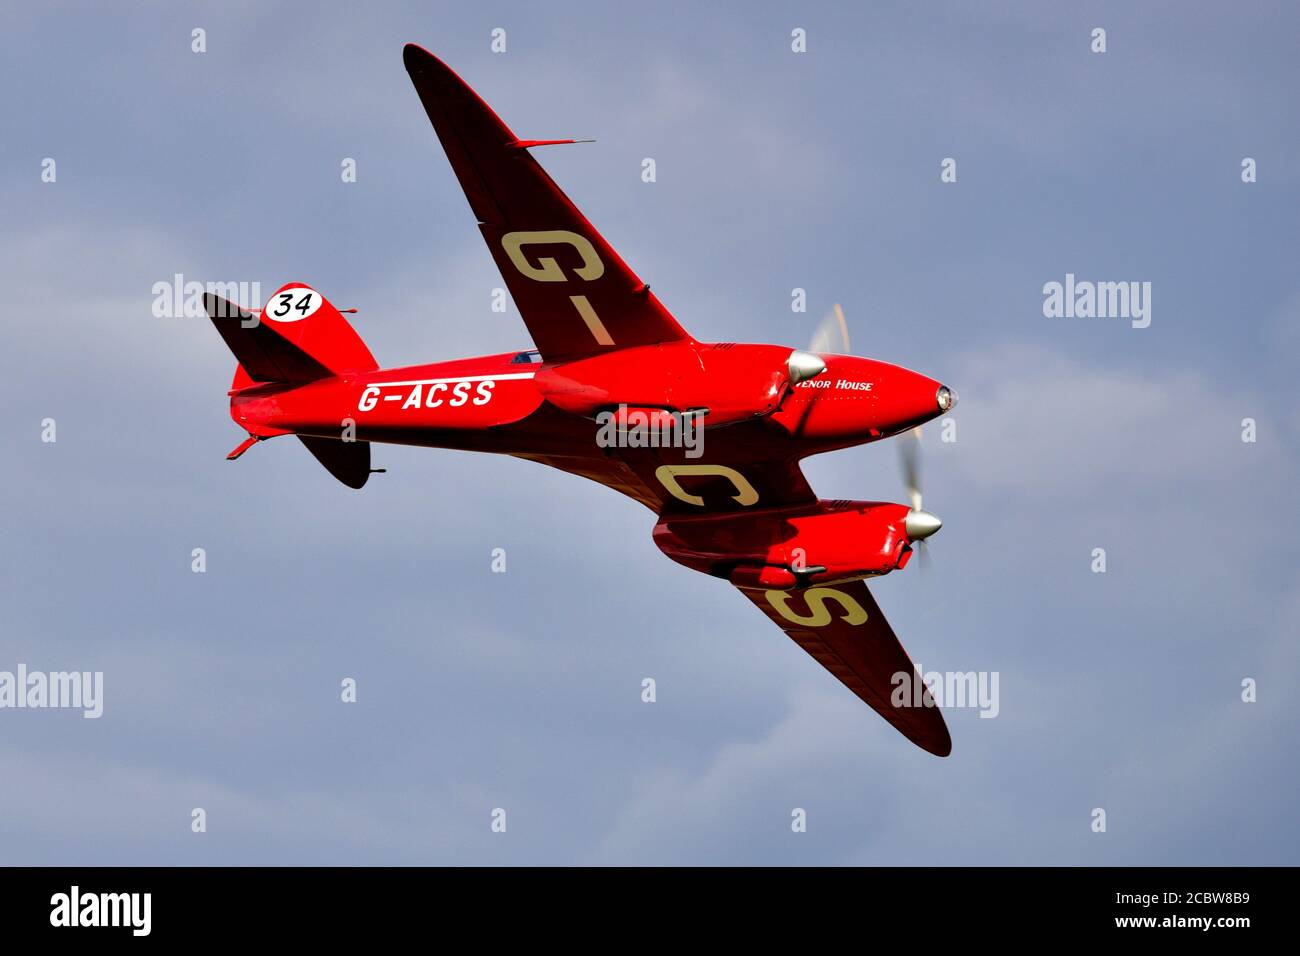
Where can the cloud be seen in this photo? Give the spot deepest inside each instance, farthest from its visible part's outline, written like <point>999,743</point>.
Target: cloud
<point>1040,423</point>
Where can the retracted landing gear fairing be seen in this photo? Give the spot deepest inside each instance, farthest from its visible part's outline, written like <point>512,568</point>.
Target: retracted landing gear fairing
<point>609,360</point>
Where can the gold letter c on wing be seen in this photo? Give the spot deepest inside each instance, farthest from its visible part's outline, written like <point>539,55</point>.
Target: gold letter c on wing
<point>547,269</point>
<point>816,599</point>
<point>667,475</point>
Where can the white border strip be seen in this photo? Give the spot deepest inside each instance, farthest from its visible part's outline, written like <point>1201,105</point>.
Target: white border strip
<point>462,378</point>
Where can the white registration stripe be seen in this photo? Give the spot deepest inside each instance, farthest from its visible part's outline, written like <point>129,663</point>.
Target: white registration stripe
<point>462,378</point>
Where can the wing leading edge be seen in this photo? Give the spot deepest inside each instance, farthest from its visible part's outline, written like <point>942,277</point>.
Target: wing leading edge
<point>577,297</point>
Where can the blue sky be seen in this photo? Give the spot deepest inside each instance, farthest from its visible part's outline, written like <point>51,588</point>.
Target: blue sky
<point>522,690</point>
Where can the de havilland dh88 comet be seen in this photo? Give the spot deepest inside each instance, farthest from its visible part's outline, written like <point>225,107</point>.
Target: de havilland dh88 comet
<point>609,358</point>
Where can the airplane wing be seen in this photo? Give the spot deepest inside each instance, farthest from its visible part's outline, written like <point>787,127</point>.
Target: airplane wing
<point>677,490</point>
<point>842,628</point>
<point>840,625</point>
<point>576,295</point>
<point>722,483</point>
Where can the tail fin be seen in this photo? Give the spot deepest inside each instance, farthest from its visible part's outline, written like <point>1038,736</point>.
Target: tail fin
<point>297,338</point>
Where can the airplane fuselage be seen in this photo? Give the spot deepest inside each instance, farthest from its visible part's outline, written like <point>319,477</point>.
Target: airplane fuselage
<point>512,403</point>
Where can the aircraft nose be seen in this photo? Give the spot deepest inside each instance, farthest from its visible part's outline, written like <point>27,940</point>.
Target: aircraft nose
<point>921,524</point>
<point>946,398</point>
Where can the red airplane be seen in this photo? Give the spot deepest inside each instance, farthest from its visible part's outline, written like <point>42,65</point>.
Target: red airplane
<point>709,436</point>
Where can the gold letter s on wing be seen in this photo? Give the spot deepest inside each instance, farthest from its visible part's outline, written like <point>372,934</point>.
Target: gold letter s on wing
<point>816,599</point>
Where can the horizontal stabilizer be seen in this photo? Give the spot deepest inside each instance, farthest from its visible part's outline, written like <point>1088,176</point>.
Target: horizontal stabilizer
<point>265,354</point>
<point>348,461</point>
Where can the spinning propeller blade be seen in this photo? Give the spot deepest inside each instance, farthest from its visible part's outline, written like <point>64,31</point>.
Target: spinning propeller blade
<point>832,334</point>
<point>920,524</point>
<point>909,458</point>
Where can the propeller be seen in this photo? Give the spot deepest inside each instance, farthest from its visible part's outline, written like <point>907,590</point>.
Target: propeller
<point>832,334</point>
<point>909,457</point>
<point>920,524</point>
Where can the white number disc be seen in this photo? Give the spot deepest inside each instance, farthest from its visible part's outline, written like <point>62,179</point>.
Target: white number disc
<point>293,305</point>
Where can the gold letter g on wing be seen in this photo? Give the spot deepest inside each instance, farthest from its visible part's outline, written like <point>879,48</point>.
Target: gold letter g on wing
<point>547,269</point>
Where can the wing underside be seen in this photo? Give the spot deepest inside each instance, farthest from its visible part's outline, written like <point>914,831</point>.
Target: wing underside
<point>576,295</point>
<point>842,628</point>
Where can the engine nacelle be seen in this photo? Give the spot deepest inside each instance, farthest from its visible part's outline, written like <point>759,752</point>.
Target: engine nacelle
<point>784,549</point>
<point>733,383</point>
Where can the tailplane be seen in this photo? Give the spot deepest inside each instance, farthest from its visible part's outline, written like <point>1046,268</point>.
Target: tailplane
<point>348,461</point>
<point>298,337</point>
